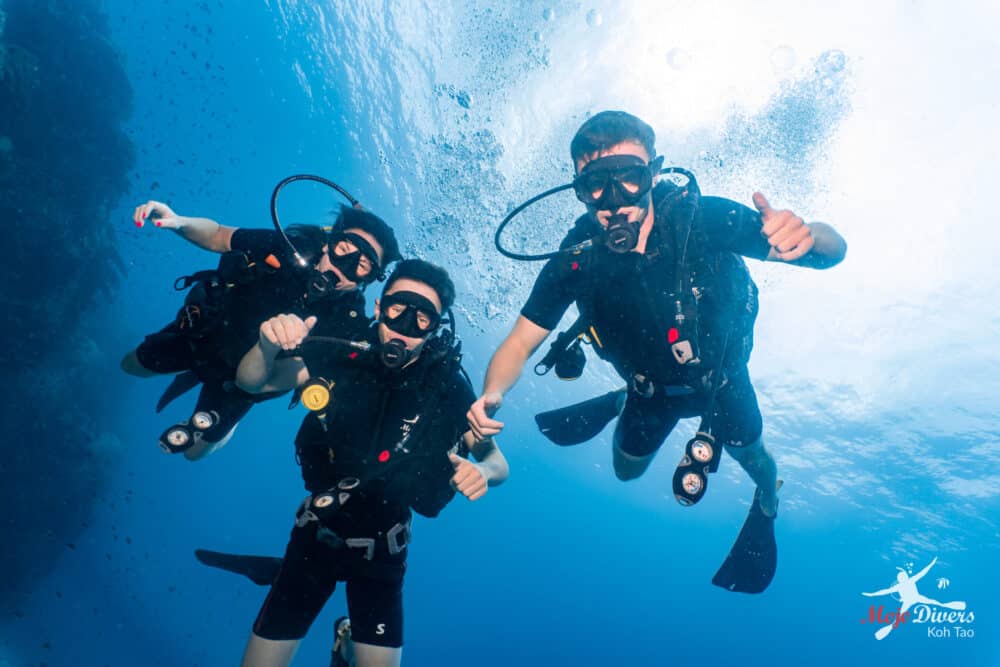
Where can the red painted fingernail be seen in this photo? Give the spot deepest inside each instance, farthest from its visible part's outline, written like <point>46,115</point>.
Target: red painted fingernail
<point>159,224</point>
<point>138,224</point>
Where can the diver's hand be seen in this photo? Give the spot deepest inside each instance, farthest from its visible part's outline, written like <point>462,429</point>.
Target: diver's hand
<point>790,237</point>
<point>284,332</point>
<point>161,214</point>
<point>469,480</point>
<point>480,415</point>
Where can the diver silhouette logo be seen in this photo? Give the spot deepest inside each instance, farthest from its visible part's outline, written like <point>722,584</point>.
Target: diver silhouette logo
<point>905,592</point>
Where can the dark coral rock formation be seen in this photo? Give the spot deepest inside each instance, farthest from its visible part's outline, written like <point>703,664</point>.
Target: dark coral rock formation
<point>64,162</point>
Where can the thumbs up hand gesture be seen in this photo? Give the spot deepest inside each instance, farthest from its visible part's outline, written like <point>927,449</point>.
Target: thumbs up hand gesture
<point>790,237</point>
<point>469,480</point>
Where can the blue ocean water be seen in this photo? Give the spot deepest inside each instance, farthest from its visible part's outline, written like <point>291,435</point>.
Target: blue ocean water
<point>878,378</point>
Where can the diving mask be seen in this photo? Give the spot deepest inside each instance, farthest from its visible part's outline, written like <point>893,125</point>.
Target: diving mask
<point>409,314</point>
<point>350,263</point>
<point>616,181</point>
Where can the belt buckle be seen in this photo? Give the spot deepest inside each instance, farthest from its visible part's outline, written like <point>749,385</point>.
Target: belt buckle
<point>366,543</point>
<point>392,538</point>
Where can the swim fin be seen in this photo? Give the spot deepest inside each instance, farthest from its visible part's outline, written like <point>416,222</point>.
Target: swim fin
<point>751,563</point>
<point>182,384</point>
<point>343,648</point>
<point>261,570</point>
<point>580,422</point>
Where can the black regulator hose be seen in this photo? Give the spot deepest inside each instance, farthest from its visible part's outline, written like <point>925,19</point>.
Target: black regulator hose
<point>274,207</point>
<point>510,216</point>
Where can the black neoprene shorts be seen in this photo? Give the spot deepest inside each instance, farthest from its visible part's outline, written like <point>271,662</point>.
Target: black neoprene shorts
<point>645,423</point>
<point>309,575</point>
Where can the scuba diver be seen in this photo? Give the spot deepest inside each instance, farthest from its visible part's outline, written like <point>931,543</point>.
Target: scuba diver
<point>261,273</point>
<point>657,274</point>
<point>386,433</point>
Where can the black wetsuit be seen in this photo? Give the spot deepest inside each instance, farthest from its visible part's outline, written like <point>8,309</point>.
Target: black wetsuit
<point>213,348</point>
<point>629,298</point>
<point>385,444</point>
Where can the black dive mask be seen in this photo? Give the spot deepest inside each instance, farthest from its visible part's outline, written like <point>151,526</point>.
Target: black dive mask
<point>613,182</point>
<point>349,263</point>
<point>417,317</point>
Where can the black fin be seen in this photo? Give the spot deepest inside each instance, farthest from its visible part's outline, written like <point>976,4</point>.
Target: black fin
<point>580,422</point>
<point>182,384</point>
<point>751,563</point>
<point>261,570</point>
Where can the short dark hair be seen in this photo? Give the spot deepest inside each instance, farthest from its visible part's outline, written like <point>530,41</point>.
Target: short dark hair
<point>425,272</point>
<point>610,128</point>
<point>353,218</point>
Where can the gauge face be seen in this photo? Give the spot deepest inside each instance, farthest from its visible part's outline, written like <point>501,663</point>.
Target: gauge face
<point>323,501</point>
<point>178,437</point>
<point>701,451</point>
<point>202,421</point>
<point>315,397</point>
<point>692,483</point>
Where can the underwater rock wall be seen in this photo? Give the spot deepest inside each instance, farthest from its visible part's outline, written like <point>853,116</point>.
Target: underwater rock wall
<point>64,162</point>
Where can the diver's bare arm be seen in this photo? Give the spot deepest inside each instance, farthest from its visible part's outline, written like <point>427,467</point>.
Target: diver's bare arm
<point>504,370</point>
<point>202,232</point>
<point>829,248</point>
<point>509,359</point>
<point>206,233</point>
<point>261,372</point>
<point>490,460</point>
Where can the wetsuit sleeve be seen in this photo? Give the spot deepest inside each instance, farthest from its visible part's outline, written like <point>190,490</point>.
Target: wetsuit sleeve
<point>551,295</point>
<point>555,288</point>
<point>258,242</point>
<point>432,490</point>
<point>733,227</point>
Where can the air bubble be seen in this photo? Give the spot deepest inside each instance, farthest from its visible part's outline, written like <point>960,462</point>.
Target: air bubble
<point>678,58</point>
<point>831,62</point>
<point>594,18</point>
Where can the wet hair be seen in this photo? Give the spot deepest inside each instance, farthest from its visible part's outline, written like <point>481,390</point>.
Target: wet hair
<point>308,240</point>
<point>427,273</point>
<point>352,218</point>
<point>610,128</point>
